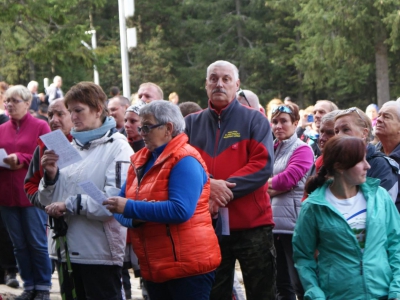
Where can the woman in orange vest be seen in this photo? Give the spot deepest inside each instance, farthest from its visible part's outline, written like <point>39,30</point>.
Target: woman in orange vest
<point>164,202</point>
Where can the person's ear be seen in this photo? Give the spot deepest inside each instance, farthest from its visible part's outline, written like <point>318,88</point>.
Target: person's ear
<point>170,128</point>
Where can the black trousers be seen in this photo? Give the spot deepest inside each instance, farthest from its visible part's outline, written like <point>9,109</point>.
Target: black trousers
<point>93,282</point>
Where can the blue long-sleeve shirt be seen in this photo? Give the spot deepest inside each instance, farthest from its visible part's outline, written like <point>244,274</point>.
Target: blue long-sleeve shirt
<point>185,186</point>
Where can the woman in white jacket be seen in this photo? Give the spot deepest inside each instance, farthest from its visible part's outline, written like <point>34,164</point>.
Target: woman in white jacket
<point>96,241</point>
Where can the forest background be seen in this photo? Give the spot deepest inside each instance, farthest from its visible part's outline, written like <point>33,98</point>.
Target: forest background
<point>345,51</point>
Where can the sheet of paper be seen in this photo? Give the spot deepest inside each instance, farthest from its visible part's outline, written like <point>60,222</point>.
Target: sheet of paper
<point>57,141</point>
<point>224,215</point>
<point>3,155</point>
<point>92,190</point>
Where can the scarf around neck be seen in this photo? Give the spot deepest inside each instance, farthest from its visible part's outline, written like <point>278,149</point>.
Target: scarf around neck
<point>85,137</point>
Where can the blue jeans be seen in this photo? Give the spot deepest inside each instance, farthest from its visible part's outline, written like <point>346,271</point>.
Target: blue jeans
<point>27,229</point>
<point>196,287</point>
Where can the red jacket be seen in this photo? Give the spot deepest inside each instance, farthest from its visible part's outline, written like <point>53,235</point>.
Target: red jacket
<point>171,251</point>
<point>236,144</point>
<point>35,173</point>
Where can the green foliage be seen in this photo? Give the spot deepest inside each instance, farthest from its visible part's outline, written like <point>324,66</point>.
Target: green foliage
<point>306,49</point>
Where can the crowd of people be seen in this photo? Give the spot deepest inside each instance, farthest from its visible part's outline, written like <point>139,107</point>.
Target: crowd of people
<point>305,201</point>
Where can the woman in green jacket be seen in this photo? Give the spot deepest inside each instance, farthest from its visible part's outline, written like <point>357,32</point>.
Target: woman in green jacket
<point>353,224</point>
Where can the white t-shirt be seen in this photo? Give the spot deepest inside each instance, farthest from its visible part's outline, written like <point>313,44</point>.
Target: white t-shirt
<point>354,210</point>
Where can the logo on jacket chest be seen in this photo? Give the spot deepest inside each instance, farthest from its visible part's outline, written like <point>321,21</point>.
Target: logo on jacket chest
<point>232,134</point>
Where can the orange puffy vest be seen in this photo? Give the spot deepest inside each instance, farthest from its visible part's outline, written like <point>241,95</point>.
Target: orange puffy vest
<point>170,251</point>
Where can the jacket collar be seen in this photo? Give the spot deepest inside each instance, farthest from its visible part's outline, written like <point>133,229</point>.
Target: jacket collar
<point>21,121</point>
<point>368,188</point>
<point>395,154</point>
<point>287,142</point>
<point>141,157</point>
<point>224,111</point>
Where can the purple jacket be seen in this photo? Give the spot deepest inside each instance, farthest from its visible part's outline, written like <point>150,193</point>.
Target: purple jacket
<point>22,141</point>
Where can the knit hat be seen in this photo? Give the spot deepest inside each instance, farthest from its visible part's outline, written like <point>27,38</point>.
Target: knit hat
<point>136,107</point>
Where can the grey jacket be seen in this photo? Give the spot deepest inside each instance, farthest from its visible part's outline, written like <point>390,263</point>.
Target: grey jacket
<point>286,206</point>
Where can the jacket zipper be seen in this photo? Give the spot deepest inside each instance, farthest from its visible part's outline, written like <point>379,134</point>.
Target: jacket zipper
<point>172,241</point>
<point>358,246</point>
<point>216,145</point>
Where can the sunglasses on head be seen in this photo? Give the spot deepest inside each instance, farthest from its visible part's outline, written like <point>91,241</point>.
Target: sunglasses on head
<point>354,109</point>
<point>241,93</point>
<point>282,108</point>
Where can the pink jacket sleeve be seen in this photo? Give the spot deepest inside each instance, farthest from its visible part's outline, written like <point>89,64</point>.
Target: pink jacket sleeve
<point>298,165</point>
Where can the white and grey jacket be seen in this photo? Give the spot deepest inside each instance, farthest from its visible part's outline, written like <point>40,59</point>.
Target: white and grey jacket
<point>286,206</point>
<point>93,236</point>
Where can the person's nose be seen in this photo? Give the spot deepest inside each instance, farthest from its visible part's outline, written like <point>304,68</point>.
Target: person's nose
<point>220,82</point>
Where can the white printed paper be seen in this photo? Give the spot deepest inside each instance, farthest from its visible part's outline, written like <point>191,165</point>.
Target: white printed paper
<point>3,155</point>
<point>57,141</point>
<point>224,215</point>
<point>92,190</point>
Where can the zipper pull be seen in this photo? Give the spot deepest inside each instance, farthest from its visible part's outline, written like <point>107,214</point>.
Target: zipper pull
<point>219,121</point>
<point>168,230</point>
<point>361,268</point>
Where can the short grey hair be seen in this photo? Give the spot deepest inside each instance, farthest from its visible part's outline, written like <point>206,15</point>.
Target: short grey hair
<point>20,91</point>
<point>395,104</point>
<point>224,63</point>
<point>32,84</point>
<point>330,116</point>
<point>164,111</point>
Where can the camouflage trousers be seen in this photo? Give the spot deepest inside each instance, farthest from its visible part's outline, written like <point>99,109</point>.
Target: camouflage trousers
<point>255,251</point>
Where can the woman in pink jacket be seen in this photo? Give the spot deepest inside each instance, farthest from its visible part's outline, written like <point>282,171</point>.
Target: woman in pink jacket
<point>26,224</point>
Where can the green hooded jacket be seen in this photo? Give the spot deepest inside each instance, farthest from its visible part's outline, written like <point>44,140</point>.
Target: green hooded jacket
<point>343,271</point>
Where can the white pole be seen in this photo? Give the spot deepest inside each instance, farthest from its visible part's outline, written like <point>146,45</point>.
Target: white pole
<point>126,88</point>
<point>94,46</point>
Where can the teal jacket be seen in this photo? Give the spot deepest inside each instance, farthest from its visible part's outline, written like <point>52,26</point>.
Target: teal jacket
<point>342,270</point>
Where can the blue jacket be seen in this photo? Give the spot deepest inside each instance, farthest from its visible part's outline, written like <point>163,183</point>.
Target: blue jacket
<point>383,168</point>
<point>342,270</point>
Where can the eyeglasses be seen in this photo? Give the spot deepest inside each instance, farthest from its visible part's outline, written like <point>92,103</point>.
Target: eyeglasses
<point>354,109</point>
<point>13,101</point>
<point>240,92</point>
<point>146,128</point>
<point>282,108</point>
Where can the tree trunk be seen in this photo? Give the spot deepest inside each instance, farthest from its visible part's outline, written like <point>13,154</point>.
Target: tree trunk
<point>382,69</point>
<point>239,32</point>
<point>32,71</point>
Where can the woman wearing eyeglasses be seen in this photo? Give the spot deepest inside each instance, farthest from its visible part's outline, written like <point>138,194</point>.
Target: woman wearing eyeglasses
<point>25,223</point>
<point>165,203</point>
<point>354,122</point>
<point>293,159</point>
<point>354,225</point>
<point>96,241</point>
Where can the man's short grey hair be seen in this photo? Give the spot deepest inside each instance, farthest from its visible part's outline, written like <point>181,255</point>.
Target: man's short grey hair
<point>164,111</point>
<point>32,84</point>
<point>20,91</point>
<point>330,116</point>
<point>395,105</point>
<point>224,63</point>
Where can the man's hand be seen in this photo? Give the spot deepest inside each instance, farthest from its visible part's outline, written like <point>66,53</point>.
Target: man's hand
<point>56,209</point>
<point>12,160</point>
<point>49,163</point>
<point>221,192</point>
<point>115,204</point>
